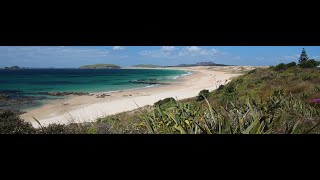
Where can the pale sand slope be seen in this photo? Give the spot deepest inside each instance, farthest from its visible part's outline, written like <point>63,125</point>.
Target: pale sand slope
<point>89,108</point>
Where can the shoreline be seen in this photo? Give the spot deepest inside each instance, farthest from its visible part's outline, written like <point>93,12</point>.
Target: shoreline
<point>89,108</point>
<point>175,79</point>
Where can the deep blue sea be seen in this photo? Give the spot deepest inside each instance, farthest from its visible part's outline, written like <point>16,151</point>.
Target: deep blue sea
<point>31,83</point>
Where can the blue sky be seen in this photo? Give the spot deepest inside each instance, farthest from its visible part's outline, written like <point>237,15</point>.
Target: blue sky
<point>75,56</point>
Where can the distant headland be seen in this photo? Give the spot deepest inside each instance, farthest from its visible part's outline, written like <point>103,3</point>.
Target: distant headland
<point>100,66</point>
<point>13,68</point>
<point>206,63</point>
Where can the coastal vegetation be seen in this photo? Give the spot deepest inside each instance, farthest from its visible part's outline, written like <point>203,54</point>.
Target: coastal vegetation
<point>262,101</point>
<point>101,66</point>
<point>281,99</point>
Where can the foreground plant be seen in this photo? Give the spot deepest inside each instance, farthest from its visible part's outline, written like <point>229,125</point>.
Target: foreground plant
<point>274,116</point>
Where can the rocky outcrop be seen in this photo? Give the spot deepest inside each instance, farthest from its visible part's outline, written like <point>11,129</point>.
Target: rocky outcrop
<point>14,102</point>
<point>102,95</point>
<point>4,97</point>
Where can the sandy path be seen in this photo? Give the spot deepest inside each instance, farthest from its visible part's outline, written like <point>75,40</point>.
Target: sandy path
<point>89,108</point>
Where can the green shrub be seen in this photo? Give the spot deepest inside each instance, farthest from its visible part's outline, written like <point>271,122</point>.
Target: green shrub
<point>317,88</point>
<point>230,88</point>
<point>252,71</point>
<point>221,87</point>
<point>202,95</point>
<point>166,101</point>
<point>280,114</point>
<point>10,123</point>
<point>309,64</point>
<point>52,129</point>
<point>283,66</point>
<point>92,130</point>
<point>292,64</point>
<point>280,67</point>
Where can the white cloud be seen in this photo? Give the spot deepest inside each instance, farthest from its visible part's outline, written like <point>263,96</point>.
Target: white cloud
<point>290,58</point>
<point>173,52</point>
<point>67,51</point>
<point>197,51</point>
<point>118,48</point>
<point>57,56</point>
<point>315,57</point>
<point>167,48</point>
<point>163,52</point>
<point>282,59</point>
<point>193,49</point>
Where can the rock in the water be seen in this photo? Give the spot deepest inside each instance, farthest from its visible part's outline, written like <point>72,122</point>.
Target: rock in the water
<point>102,95</point>
<point>150,82</point>
<point>4,97</point>
<point>66,93</point>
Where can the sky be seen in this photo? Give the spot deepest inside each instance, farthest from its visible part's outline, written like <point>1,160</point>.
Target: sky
<point>76,56</point>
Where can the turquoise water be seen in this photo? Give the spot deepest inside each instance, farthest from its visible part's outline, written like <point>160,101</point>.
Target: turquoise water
<point>32,83</point>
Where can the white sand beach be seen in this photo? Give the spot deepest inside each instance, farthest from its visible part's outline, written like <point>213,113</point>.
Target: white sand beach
<point>89,108</point>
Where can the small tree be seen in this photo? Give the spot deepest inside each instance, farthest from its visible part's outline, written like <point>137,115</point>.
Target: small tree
<point>309,64</point>
<point>303,56</point>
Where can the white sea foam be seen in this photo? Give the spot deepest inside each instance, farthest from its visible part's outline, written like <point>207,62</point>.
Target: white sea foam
<point>154,85</point>
<point>189,73</point>
<point>182,75</point>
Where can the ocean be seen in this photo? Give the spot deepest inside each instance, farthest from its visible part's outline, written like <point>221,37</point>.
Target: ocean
<point>26,88</point>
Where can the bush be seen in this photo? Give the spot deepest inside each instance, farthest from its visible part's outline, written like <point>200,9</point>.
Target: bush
<point>10,123</point>
<point>230,88</point>
<point>203,94</point>
<point>52,129</point>
<point>73,128</point>
<point>252,71</point>
<point>280,67</point>
<point>283,66</point>
<point>309,64</point>
<point>292,64</point>
<point>317,88</point>
<point>165,101</point>
<point>243,117</point>
<point>221,87</point>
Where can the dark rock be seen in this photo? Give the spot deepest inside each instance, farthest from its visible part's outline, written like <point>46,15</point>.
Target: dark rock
<point>66,93</point>
<point>148,82</point>
<point>102,95</point>
<point>4,97</point>
<point>15,102</point>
